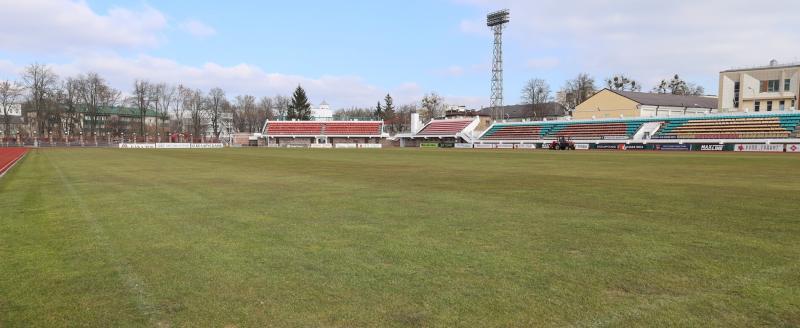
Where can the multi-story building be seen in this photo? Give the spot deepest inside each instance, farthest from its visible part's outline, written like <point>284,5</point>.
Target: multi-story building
<point>771,88</point>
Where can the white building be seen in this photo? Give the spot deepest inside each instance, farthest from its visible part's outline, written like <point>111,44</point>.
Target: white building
<point>771,88</point>
<point>322,113</point>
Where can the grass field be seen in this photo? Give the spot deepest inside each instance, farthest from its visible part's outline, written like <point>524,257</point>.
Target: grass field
<point>403,237</point>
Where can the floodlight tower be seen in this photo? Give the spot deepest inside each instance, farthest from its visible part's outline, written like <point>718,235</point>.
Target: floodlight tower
<point>497,21</point>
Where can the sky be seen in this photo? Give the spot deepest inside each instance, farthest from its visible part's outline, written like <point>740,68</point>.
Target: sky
<point>352,53</point>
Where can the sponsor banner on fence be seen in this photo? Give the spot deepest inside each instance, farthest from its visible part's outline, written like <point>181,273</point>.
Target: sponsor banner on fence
<point>346,145</point>
<point>463,145</point>
<point>370,146</point>
<point>582,146</point>
<point>793,148</point>
<point>297,145</point>
<point>205,145</point>
<point>712,147</point>
<point>173,145</point>
<point>137,146</point>
<point>609,146</point>
<point>429,145</point>
<point>634,147</point>
<point>505,146</point>
<point>319,146</point>
<point>484,146</point>
<point>674,147</point>
<point>759,147</point>
<point>526,146</point>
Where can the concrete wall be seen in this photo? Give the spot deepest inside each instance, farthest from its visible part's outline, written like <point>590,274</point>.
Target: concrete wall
<point>606,104</point>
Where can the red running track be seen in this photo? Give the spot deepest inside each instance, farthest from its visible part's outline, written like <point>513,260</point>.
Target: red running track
<point>9,156</point>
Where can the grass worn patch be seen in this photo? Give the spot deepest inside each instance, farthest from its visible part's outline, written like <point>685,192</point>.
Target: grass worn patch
<point>399,237</point>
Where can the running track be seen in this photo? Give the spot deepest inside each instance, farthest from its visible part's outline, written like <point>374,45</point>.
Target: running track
<point>9,156</point>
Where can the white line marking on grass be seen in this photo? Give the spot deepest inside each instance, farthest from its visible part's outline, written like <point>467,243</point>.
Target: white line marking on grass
<point>132,282</point>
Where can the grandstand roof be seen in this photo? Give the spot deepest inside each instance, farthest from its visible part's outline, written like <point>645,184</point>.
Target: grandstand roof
<point>666,99</point>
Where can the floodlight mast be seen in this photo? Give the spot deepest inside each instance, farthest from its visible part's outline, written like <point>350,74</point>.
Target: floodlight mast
<point>497,21</point>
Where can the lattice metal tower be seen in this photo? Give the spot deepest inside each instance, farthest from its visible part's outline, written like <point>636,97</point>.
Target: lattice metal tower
<point>497,21</point>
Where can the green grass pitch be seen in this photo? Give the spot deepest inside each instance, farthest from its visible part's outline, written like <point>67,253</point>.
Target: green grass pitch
<point>399,237</point>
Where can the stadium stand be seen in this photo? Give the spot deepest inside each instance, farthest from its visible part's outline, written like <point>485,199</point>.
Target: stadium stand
<point>755,127</point>
<point>513,132</point>
<point>302,128</point>
<point>351,128</point>
<point>444,127</point>
<point>732,126</point>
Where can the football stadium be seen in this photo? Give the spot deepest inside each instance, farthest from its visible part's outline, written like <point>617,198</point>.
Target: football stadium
<point>346,164</point>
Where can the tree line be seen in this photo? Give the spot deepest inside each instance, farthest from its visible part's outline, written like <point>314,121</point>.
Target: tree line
<point>578,89</point>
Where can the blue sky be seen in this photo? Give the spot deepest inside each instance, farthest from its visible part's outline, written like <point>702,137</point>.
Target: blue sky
<point>353,52</point>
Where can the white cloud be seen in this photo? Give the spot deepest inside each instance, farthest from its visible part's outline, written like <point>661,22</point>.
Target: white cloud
<point>652,39</point>
<point>64,25</point>
<point>197,28</point>
<point>341,91</point>
<point>452,71</point>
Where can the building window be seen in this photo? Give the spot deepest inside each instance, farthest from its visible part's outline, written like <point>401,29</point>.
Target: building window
<point>736,87</point>
<point>782,105</point>
<point>758,106</point>
<point>769,106</point>
<point>787,85</point>
<point>770,86</point>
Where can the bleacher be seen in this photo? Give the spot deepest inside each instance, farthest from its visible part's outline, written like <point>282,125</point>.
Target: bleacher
<point>322,128</point>
<point>731,127</point>
<point>352,128</point>
<point>591,130</point>
<point>513,132</point>
<point>444,127</point>
<point>300,128</point>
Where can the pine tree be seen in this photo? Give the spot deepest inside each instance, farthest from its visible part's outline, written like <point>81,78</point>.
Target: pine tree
<point>299,109</point>
<point>388,110</point>
<point>378,111</point>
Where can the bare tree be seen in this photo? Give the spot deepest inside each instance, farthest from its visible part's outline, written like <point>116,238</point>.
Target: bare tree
<point>163,97</point>
<point>215,100</point>
<point>69,99</point>
<point>195,104</point>
<point>140,98</point>
<point>178,109</point>
<point>535,92</point>
<point>265,107</point>
<point>10,94</point>
<point>354,113</point>
<point>432,106</point>
<point>40,82</point>
<point>576,91</point>
<point>678,86</point>
<point>620,82</point>
<point>248,116</point>
<point>95,95</point>
<point>281,106</point>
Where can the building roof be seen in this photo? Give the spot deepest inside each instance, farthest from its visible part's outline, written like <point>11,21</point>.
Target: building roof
<point>549,109</point>
<point>763,67</point>
<point>667,99</point>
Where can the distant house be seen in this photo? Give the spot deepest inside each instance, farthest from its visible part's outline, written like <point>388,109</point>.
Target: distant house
<point>615,104</point>
<point>538,112</point>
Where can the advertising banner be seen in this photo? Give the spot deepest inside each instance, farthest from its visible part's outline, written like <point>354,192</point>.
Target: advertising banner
<point>615,137</point>
<point>345,145</point>
<point>609,146</point>
<point>206,145</point>
<point>674,147</point>
<point>793,148</point>
<point>505,146</point>
<point>759,147</point>
<point>526,146</point>
<point>634,147</point>
<point>484,146</point>
<point>712,147</point>
<point>582,146</point>
<point>173,145</point>
<point>372,146</point>
<point>321,146</point>
<point>463,145</point>
<point>429,145</point>
<point>137,146</point>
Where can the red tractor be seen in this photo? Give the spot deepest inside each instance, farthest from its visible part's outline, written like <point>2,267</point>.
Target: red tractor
<point>562,144</point>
